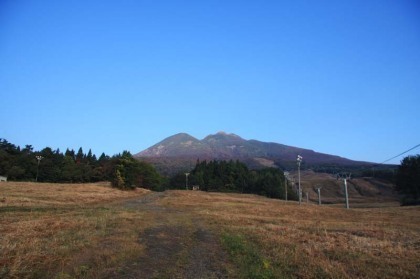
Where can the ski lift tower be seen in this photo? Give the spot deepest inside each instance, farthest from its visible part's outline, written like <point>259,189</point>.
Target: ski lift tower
<point>299,160</point>
<point>286,177</point>
<point>345,177</point>
<point>186,180</point>
<point>39,158</point>
<point>319,195</point>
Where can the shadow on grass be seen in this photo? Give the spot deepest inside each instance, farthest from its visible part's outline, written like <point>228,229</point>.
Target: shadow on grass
<point>17,209</point>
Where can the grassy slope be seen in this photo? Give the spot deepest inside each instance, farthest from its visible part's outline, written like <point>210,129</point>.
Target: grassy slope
<point>308,241</point>
<point>361,190</point>
<point>69,231</point>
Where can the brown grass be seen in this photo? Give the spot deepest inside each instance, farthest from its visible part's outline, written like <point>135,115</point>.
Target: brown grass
<point>310,241</point>
<point>82,231</point>
<point>28,194</point>
<point>360,190</point>
<point>47,228</point>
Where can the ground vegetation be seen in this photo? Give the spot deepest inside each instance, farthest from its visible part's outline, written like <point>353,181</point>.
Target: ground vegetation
<point>51,230</point>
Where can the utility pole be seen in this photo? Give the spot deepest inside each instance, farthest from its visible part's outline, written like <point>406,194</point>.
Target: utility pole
<point>286,175</point>
<point>345,177</point>
<point>299,160</point>
<point>319,195</point>
<point>39,158</point>
<point>346,192</point>
<point>186,180</point>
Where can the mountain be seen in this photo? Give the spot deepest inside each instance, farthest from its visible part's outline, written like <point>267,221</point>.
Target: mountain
<point>179,145</point>
<point>182,150</point>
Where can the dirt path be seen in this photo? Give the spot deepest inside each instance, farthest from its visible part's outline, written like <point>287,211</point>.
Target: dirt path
<point>179,245</point>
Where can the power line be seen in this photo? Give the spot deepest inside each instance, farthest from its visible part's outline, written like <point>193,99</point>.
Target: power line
<point>399,154</point>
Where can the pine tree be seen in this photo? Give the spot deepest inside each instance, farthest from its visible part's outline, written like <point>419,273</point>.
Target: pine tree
<point>118,180</point>
<point>80,156</point>
<point>408,180</point>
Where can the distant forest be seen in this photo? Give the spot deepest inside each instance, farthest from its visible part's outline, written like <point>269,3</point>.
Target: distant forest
<point>125,172</point>
<point>48,165</point>
<point>234,176</point>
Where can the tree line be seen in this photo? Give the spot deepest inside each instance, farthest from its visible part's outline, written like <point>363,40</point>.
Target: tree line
<point>21,164</point>
<point>234,176</point>
<point>125,172</point>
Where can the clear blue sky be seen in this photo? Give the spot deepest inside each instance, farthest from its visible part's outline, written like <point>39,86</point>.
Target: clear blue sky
<point>339,77</point>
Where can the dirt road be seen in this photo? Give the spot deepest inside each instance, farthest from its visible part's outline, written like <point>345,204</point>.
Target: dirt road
<point>179,245</point>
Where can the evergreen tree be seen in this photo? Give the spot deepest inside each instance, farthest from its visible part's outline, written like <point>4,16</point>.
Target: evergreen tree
<point>130,173</point>
<point>70,153</point>
<point>69,170</point>
<point>408,180</point>
<point>49,166</point>
<point>80,156</point>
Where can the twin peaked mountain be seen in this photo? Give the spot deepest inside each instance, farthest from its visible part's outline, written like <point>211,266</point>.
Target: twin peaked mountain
<point>223,146</point>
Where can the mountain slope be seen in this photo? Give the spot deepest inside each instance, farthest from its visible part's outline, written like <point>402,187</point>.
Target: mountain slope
<point>180,152</point>
<point>182,148</point>
<point>179,145</point>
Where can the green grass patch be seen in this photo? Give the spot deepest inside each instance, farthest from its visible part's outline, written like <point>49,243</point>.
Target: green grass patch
<point>247,257</point>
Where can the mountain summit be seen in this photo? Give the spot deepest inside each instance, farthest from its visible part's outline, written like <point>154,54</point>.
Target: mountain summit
<point>179,145</point>
<point>224,146</point>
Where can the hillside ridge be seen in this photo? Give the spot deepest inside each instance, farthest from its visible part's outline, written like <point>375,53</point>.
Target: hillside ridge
<point>225,146</point>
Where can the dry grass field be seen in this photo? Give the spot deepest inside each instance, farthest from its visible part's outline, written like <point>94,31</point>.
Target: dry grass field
<point>37,195</point>
<point>94,231</point>
<point>44,227</point>
<point>311,241</point>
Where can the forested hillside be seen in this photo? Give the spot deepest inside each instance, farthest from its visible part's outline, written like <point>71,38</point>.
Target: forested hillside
<point>48,165</point>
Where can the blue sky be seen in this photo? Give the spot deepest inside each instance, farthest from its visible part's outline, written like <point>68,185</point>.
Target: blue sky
<point>339,77</point>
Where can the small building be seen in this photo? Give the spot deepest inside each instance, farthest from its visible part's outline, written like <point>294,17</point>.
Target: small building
<point>3,178</point>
